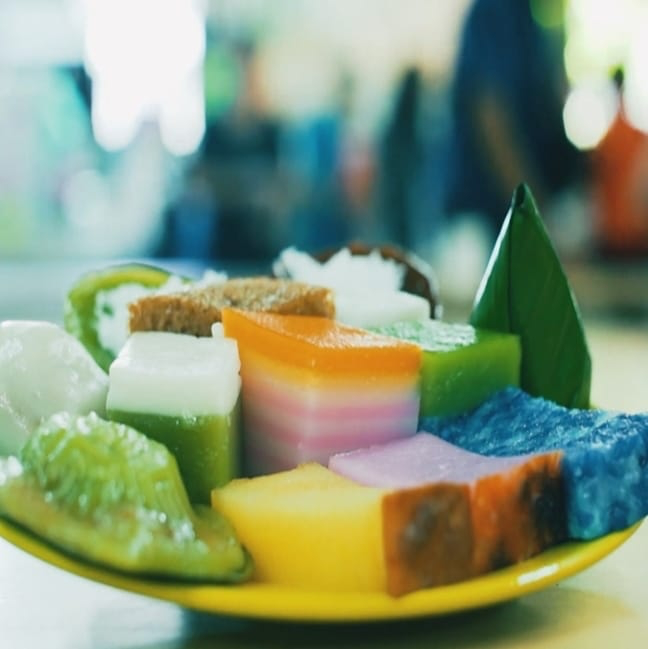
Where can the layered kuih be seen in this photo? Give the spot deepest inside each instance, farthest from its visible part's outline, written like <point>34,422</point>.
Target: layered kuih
<point>604,453</point>
<point>462,366</point>
<point>525,291</point>
<point>455,514</point>
<point>182,391</point>
<point>312,387</point>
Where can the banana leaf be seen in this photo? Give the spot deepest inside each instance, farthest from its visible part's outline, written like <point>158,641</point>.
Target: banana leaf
<point>525,291</point>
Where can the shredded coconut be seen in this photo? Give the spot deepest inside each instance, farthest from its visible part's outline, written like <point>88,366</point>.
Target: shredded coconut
<point>344,271</point>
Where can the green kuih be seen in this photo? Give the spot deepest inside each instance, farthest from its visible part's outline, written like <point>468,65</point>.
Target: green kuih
<point>95,309</point>
<point>207,447</point>
<point>107,493</point>
<point>182,391</point>
<point>525,291</point>
<point>462,366</point>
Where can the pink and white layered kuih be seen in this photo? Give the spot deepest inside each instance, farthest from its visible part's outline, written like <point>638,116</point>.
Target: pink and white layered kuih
<point>288,423</point>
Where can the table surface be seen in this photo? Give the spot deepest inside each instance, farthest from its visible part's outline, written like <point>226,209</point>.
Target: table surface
<point>42,607</point>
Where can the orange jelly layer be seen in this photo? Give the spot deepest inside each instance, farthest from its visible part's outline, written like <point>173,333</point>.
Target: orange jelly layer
<point>291,376</point>
<point>319,344</point>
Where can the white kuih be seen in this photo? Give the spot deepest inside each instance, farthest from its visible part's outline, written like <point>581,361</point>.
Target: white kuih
<point>175,374</point>
<point>43,370</point>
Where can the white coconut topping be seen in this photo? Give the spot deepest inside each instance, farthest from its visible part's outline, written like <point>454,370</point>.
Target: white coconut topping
<point>111,313</point>
<point>43,370</point>
<point>344,271</point>
<point>377,309</point>
<point>366,287</point>
<point>175,374</point>
<point>209,277</point>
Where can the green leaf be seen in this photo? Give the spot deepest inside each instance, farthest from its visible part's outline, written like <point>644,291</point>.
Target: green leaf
<point>525,291</point>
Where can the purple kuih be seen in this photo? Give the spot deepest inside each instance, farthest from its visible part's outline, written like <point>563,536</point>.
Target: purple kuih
<point>418,460</point>
<point>500,510</point>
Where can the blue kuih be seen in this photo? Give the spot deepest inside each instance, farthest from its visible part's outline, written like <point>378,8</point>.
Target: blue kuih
<point>605,453</point>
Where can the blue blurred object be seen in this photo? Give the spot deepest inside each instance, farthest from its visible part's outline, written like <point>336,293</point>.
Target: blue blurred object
<point>193,229</point>
<point>312,151</point>
<point>507,100</point>
<point>401,162</point>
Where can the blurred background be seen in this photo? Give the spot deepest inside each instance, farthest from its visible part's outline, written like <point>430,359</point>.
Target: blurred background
<point>215,133</point>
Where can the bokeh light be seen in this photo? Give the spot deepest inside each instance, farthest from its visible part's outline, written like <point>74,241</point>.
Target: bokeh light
<point>160,54</point>
<point>589,111</point>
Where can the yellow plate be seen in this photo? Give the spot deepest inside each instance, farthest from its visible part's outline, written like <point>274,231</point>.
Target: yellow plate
<point>267,601</point>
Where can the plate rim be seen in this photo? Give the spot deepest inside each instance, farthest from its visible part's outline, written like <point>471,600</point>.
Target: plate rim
<point>265,601</point>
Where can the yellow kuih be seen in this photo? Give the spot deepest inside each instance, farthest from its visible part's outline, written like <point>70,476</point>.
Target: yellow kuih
<point>309,528</point>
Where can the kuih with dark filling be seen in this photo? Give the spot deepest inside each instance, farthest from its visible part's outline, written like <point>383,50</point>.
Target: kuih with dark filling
<point>453,514</point>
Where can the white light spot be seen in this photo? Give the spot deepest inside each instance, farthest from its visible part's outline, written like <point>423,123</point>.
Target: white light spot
<point>142,57</point>
<point>589,111</point>
<point>182,116</point>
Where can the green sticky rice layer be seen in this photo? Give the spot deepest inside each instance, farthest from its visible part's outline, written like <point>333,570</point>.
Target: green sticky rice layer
<point>207,447</point>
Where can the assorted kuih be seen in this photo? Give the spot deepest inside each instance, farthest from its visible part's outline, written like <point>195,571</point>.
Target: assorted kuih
<point>392,457</point>
<point>406,515</point>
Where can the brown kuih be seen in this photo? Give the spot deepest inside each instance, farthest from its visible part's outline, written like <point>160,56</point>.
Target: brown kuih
<point>195,310</point>
<point>443,533</point>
